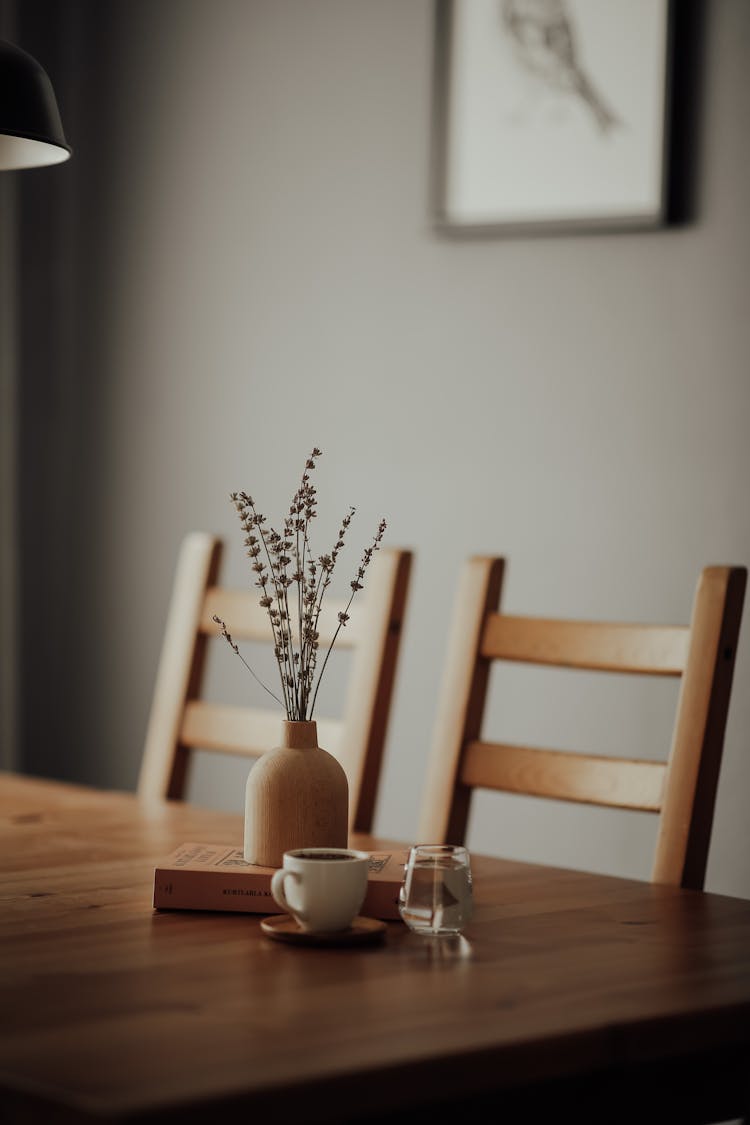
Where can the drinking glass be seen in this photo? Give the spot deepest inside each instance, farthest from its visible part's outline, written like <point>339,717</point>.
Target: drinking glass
<point>436,894</point>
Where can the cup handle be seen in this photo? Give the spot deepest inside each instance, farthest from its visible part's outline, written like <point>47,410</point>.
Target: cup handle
<point>277,890</point>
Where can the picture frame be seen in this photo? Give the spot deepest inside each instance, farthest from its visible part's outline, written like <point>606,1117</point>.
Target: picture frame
<point>551,115</point>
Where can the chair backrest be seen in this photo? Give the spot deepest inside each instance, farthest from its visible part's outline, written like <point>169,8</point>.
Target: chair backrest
<point>681,790</point>
<point>181,721</point>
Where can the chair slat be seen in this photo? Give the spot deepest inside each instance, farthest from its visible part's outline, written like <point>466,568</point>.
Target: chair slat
<point>248,621</point>
<point>585,778</point>
<point>597,646</point>
<point>241,730</point>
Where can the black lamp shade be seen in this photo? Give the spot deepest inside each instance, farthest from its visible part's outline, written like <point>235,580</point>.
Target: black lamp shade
<point>31,132</point>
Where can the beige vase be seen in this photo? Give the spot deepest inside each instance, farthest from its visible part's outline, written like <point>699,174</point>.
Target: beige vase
<point>297,796</point>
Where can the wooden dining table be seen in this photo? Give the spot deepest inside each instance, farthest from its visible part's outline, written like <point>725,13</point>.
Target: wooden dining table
<point>571,994</point>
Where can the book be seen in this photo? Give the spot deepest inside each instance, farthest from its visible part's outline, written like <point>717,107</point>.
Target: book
<point>217,877</point>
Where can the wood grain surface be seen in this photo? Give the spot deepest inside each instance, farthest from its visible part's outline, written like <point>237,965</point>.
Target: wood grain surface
<point>564,984</point>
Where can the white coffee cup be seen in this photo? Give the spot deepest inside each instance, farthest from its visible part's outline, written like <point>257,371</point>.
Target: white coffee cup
<point>322,888</point>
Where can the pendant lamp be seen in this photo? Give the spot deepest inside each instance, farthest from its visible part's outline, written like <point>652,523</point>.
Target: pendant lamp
<point>31,133</point>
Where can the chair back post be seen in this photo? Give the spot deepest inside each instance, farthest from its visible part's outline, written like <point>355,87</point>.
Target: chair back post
<point>180,671</point>
<point>371,683</point>
<point>695,757</point>
<point>461,702</point>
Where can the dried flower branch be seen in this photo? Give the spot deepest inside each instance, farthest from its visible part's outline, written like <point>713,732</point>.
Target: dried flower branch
<point>228,638</point>
<point>284,559</point>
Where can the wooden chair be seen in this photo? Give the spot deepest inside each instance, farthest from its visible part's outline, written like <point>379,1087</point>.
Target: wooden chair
<point>181,721</point>
<point>682,790</point>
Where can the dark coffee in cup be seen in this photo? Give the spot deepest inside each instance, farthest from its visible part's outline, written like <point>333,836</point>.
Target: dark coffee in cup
<point>316,855</point>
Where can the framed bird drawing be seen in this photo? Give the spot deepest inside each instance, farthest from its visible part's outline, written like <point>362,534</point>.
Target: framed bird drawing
<point>551,114</point>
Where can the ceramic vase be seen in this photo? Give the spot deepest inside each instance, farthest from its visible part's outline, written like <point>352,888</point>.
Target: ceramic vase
<point>297,796</point>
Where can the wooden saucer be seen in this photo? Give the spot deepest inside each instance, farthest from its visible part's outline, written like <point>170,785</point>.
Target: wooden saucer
<point>363,931</point>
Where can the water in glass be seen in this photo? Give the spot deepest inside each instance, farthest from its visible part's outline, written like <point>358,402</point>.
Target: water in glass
<point>436,896</point>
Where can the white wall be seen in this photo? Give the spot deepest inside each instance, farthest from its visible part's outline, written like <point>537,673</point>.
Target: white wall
<point>269,280</point>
